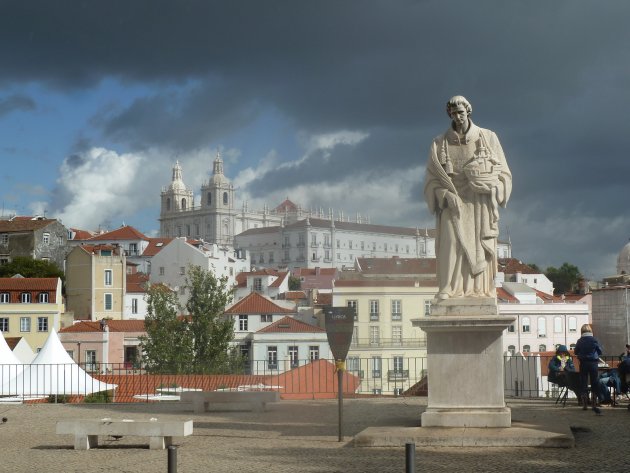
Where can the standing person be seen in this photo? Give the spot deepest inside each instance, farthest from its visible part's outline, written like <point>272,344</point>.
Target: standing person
<point>466,180</point>
<point>588,350</point>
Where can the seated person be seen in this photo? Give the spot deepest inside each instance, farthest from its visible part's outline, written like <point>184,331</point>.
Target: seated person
<point>624,370</point>
<point>560,365</point>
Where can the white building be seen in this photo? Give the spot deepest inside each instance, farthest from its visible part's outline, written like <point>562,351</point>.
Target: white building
<point>542,321</point>
<point>135,298</point>
<point>268,282</point>
<point>514,270</point>
<point>171,264</point>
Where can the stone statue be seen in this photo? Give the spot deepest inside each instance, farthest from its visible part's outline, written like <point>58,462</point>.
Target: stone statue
<point>467,179</point>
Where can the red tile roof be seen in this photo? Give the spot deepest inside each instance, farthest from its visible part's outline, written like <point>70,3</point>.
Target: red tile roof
<point>114,326</point>
<point>28,284</point>
<point>293,295</point>
<point>286,206</point>
<point>137,282</point>
<point>290,325</point>
<point>254,303</point>
<point>504,296</point>
<point>155,246</point>
<point>397,265</point>
<point>385,283</point>
<point>123,233</point>
<point>281,278</point>
<point>324,298</point>
<point>313,271</point>
<point>20,225</point>
<point>94,249</point>
<point>513,266</point>
<point>82,234</point>
<point>12,341</point>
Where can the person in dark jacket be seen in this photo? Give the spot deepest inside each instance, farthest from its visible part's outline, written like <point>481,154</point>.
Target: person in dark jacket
<point>560,365</point>
<point>588,350</point>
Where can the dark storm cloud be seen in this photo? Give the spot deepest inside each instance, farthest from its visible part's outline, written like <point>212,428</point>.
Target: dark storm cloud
<point>550,77</point>
<point>14,103</point>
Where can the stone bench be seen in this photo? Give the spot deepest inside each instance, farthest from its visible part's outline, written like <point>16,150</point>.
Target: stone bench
<point>160,433</point>
<point>255,400</point>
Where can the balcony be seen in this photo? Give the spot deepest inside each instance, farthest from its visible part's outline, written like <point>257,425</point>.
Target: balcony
<point>327,245</point>
<point>397,375</point>
<point>397,316</point>
<point>359,373</point>
<point>316,259</point>
<point>373,316</point>
<point>314,244</point>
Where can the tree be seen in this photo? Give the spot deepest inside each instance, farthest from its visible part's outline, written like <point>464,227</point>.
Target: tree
<point>31,268</point>
<point>167,348</point>
<point>197,343</point>
<point>211,330</point>
<point>565,279</point>
<point>294,283</point>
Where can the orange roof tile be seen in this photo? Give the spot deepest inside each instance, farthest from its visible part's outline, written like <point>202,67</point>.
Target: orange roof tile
<point>114,326</point>
<point>12,341</point>
<point>281,278</point>
<point>137,282</point>
<point>20,225</point>
<point>504,296</point>
<point>324,298</point>
<point>292,295</point>
<point>290,325</point>
<point>254,303</point>
<point>82,234</point>
<point>155,246</point>
<point>123,233</point>
<point>28,284</point>
<point>513,266</point>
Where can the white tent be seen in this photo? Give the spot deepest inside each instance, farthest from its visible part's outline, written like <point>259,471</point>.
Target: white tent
<point>10,365</point>
<point>54,372</point>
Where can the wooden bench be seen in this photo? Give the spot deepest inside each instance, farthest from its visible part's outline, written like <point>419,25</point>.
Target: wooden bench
<point>255,400</point>
<point>160,433</point>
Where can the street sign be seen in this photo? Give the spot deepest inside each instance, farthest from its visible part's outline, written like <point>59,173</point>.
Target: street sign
<point>339,325</point>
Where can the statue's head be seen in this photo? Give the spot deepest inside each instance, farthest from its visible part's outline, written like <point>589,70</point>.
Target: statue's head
<point>457,100</point>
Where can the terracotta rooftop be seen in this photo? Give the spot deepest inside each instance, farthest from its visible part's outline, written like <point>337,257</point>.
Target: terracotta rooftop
<point>114,326</point>
<point>254,303</point>
<point>123,233</point>
<point>241,278</point>
<point>155,246</point>
<point>286,206</point>
<point>504,296</point>
<point>137,282</point>
<point>12,341</point>
<point>279,280</point>
<point>82,234</point>
<point>385,283</point>
<point>313,271</point>
<point>290,325</point>
<point>24,224</point>
<point>397,265</point>
<point>513,266</point>
<point>94,249</point>
<point>28,284</point>
<point>293,295</point>
<point>324,298</point>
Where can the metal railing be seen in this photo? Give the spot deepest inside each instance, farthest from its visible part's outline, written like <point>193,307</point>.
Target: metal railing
<point>524,376</point>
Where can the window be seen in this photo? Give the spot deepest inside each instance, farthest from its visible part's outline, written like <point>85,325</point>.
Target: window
<point>525,325</point>
<point>225,198</point>
<point>183,204</point>
<point>261,258</point>
<point>427,307</point>
<point>396,309</point>
<point>242,322</point>
<point>266,318</point>
<point>4,238</point>
<point>161,270</point>
<point>353,364</point>
<point>42,324</point>
<point>557,324</point>
<point>526,349</point>
<point>108,277</point>
<point>511,350</point>
<point>511,328</point>
<point>542,347</point>
<point>46,238</point>
<point>542,327</point>
<point>134,305</point>
<point>25,297</point>
<point>376,366</point>
<point>384,246</point>
<point>4,324</point>
<point>168,204</point>
<point>258,284</point>
<point>377,391</point>
<point>362,245</point>
<point>572,324</point>
<point>399,364</point>
<point>375,335</point>
<point>209,200</point>
<point>313,352</point>
<point>397,335</point>
<point>338,243</point>
<point>25,324</point>
<point>70,353</point>
<point>90,360</point>
<point>5,298</point>
<point>182,271</point>
<point>294,356</point>
<point>272,358</point>
<point>374,309</point>
<point>355,305</point>
<point>350,244</point>
<point>108,302</point>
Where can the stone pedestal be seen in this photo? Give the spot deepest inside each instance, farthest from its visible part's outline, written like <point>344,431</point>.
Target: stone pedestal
<point>465,364</point>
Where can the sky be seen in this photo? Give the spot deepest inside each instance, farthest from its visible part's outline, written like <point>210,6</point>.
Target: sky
<point>331,103</point>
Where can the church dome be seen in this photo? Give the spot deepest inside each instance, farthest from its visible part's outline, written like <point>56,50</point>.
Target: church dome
<point>623,260</point>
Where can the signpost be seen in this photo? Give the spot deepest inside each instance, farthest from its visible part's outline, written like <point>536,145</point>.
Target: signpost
<point>339,326</point>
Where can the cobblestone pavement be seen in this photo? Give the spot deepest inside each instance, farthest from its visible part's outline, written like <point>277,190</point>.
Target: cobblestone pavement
<point>300,436</point>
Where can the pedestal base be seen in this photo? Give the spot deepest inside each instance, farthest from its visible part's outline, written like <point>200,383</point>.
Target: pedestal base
<point>465,365</point>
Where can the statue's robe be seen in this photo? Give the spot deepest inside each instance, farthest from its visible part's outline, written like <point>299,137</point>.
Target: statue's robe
<point>466,244</point>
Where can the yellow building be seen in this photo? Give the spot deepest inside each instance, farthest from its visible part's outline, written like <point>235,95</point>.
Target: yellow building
<point>30,308</point>
<point>387,352</point>
<point>96,279</point>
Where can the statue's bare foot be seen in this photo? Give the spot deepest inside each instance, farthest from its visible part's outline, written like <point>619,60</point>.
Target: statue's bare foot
<point>442,296</point>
